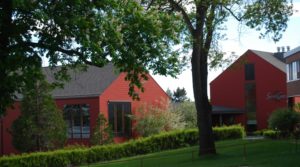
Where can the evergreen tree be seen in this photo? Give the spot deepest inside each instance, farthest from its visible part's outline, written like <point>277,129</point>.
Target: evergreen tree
<point>40,126</point>
<point>102,133</point>
<point>179,95</point>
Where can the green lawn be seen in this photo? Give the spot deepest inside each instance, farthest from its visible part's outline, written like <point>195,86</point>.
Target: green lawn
<point>259,153</point>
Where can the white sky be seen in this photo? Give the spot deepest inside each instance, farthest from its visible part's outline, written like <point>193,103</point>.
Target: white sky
<point>239,43</point>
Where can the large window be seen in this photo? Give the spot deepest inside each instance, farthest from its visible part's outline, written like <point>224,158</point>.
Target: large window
<point>293,70</point>
<point>77,117</point>
<point>250,98</point>
<point>249,72</point>
<point>119,118</point>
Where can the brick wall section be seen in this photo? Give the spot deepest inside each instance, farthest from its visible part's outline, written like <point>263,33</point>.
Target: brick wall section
<point>293,88</point>
<point>293,58</point>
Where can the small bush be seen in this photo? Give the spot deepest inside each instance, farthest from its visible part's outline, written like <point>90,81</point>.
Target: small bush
<point>102,133</point>
<point>229,132</point>
<point>271,134</point>
<point>284,120</point>
<point>78,156</point>
<point>258,132</point>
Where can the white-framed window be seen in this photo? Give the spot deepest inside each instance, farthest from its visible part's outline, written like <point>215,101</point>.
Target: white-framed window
<point>293,70</point>
<point>77,118</point>
<point>298,69</point>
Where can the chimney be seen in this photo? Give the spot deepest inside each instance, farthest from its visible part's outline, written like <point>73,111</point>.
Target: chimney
<point>282,49</point>
<point>288,48</point>
<point>278,49</point>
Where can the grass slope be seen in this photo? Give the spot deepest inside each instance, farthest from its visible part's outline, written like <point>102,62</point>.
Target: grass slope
<point>233,153</point>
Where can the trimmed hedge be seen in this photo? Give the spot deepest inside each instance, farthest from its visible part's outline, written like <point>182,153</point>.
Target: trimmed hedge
<point>271,134</point>
<point>160,142</point>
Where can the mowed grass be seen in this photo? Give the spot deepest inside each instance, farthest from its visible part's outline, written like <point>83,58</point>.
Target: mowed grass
<point>232,153</point>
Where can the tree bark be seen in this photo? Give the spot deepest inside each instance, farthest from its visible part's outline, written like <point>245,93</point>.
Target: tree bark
<point>199,73</point>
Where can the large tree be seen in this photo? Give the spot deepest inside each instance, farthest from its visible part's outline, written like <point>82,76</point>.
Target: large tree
<point>204,20</point>
<point>76,33</point>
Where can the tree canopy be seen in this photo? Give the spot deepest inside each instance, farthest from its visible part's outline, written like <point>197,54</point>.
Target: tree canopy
<point>204,21</point>
<point>73,33</point>
<point>178,96</point>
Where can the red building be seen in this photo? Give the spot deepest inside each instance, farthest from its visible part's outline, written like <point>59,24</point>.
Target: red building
<point>249,90</point>
<point>88,93</point>
<point>293,76</point>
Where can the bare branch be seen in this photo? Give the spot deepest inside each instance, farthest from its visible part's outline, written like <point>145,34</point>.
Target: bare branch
<point>232,13</point>
<point>59,49</point>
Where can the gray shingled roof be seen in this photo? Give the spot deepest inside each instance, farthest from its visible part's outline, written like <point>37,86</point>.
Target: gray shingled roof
<point>88,83</point>
<point>271,58</point>
<point>291,52</point>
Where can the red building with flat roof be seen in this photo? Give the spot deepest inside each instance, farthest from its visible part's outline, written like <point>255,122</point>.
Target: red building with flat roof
<point>249,90</point>
<point>293,75</point>
<point>88,93</point>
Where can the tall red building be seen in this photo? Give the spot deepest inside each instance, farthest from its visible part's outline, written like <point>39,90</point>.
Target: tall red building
<point>249,90</point>
<point>293,76</point>
<point>88,93</point>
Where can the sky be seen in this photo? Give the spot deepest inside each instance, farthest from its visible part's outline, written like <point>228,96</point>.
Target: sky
<point>238,42</point>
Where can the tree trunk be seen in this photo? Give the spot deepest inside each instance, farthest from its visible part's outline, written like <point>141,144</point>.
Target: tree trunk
<point>199,73</point>
<point>5,28</point>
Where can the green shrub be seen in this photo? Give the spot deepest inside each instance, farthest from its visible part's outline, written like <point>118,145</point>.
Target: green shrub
<point>271,134</point>
<point>229,132</point>
<point>154,119</point>
<point>160,142</point>
<point>284,120</point>
<point>188,112</point>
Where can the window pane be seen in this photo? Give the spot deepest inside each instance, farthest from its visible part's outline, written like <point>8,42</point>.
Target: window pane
<point>77,118</point>
<point>118,118</point>
<point>294,71</point>
<point>250,92</point>
<point>111,116</point>
<point>249,72</point>
<point>290,72</point>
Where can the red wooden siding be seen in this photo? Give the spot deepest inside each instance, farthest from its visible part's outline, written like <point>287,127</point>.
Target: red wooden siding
<point>228,89</point>
<point>118,91</point>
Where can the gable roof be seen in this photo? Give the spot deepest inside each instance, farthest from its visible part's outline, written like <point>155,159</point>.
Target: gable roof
<point>89,83</point>
<point>291,52</point>
<point>276,59</point>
